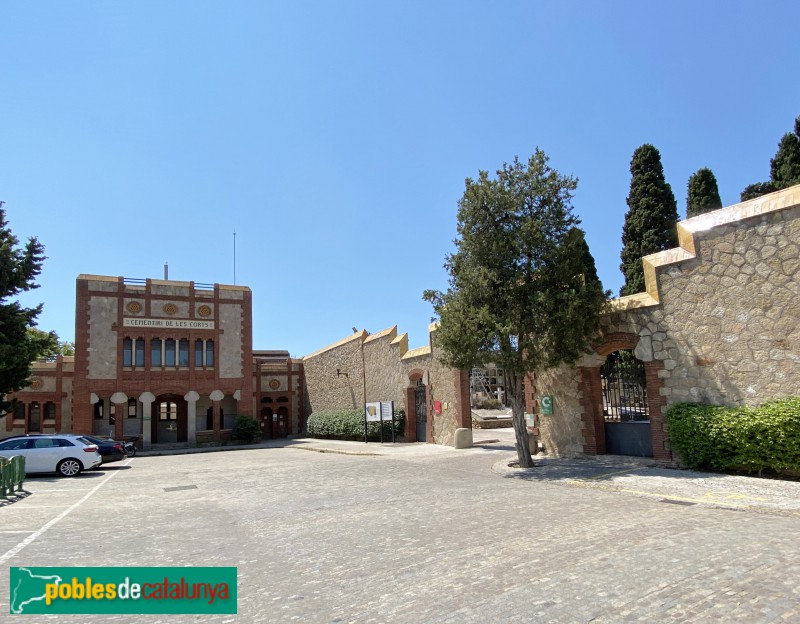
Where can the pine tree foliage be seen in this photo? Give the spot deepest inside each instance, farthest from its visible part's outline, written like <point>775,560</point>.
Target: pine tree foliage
<point>784,167</point>
<point>19,267</point>
<point>702,193</point>
<point>523,289</point>
<point>650,223</point>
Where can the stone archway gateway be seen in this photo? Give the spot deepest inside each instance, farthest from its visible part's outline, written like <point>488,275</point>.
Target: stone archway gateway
<point>595,402</point>
<point>624,405</point>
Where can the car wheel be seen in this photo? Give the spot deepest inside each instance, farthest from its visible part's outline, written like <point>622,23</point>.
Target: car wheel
<point>69,467</point>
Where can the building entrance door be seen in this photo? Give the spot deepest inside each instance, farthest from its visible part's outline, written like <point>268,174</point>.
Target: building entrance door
<point>36,418</point>
<point>281,422</point>
<point>169,422</point>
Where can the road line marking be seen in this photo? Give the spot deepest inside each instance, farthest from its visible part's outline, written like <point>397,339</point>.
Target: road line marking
<point>32,538</point>
<point>576,483</point>
<point>608,474</point>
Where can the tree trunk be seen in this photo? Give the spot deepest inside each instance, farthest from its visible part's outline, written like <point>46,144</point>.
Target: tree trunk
<point>518,418</point>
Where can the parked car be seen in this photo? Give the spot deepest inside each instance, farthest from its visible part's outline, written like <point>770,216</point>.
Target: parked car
<point>67,455</point>
<point>110,450</point>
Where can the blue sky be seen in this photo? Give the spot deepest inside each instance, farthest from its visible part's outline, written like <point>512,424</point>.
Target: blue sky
<point>335,137</point>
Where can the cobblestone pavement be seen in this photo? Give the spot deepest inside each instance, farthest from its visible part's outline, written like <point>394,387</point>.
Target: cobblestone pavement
<point>421,534</point>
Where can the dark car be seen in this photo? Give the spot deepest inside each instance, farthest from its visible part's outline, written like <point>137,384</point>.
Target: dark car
<point>110,450</point>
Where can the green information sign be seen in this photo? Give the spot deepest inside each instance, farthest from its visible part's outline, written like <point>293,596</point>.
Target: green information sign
<point>546,404</point>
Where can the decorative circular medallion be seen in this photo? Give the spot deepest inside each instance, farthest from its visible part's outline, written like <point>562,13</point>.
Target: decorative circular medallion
<point>134,307</point>
<point>170,308</point>
<point>36,383</point>
<point>204,310</point>
<point>274,384</point>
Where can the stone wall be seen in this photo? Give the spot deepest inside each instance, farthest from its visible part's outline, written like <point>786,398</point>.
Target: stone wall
<point>382,367</point>
<point>718,324</point>
<point>334,376</point>
<point>562,432</point>
<point>102,348</point>
<point>382,351</point>
<point>231,317</point>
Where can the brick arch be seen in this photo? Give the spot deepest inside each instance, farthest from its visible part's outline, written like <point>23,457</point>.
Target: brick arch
<point>616,341</point>
<point>415,375</point>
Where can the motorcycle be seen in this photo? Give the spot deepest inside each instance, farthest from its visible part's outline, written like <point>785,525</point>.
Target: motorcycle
<point>129,447</point>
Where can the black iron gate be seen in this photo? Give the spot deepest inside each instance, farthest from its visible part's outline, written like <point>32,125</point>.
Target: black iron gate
<point>627,418</point>
<point>422,412</point>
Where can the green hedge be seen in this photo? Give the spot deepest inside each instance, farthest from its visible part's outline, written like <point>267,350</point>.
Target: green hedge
<point>752,439</point>
<point>349,425</point>
<point>246,429</point>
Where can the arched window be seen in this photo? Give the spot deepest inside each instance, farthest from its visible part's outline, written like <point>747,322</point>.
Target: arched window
<point>198,354</point>
<point>127,352</point>
<point>132,405</point>
<point>169,352</point>
<point>209,352</point>
<point>183,353</point>
<point>155,352</point>
<point>139,347</point>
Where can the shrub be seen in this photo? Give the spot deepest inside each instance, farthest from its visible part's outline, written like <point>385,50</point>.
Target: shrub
<point>348,424</point>
<point>752,439</point>
<point>246,429</point>
<point>486,403</point>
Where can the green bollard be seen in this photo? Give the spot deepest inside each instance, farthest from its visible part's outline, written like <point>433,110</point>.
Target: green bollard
<point>19,475</point>
<point>5,473</point>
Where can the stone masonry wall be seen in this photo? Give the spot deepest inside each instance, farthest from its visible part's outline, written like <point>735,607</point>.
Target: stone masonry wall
<point>381,354</point>
<point>562,432</point>
<point>102,343</point>
<point>327,390</point>
<point>719,319</point>
<point>389,367</point>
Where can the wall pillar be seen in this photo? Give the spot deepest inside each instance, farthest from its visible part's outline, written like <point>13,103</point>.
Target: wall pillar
<point>147,399</point>
<point>463,407</point>
<point>120,401</point>
<point>655,405</point>
<point>191,398</point>
<point>594,428</point>
<point>216,397</point>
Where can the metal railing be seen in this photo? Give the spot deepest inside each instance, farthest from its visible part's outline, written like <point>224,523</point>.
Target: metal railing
<point>12,475</point>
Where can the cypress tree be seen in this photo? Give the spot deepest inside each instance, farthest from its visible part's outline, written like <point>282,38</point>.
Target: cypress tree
<point>784,168</point>
<point>651,218</point>
<point>702,194</point>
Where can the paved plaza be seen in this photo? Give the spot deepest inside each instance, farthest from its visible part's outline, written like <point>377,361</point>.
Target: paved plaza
<point>422,533</point>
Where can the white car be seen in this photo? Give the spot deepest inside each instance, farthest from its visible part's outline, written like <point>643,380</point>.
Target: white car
<point>67,455</point>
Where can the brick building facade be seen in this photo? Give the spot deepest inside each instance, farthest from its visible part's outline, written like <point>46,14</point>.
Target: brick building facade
<point>168,361</point>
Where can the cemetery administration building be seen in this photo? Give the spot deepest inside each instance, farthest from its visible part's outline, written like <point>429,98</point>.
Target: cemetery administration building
<point>168,361</point>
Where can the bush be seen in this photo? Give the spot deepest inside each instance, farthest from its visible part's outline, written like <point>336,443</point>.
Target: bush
<point>246,429</point>
<point>348,424</point>
<point>751,439</point>
<point>486,403</point>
